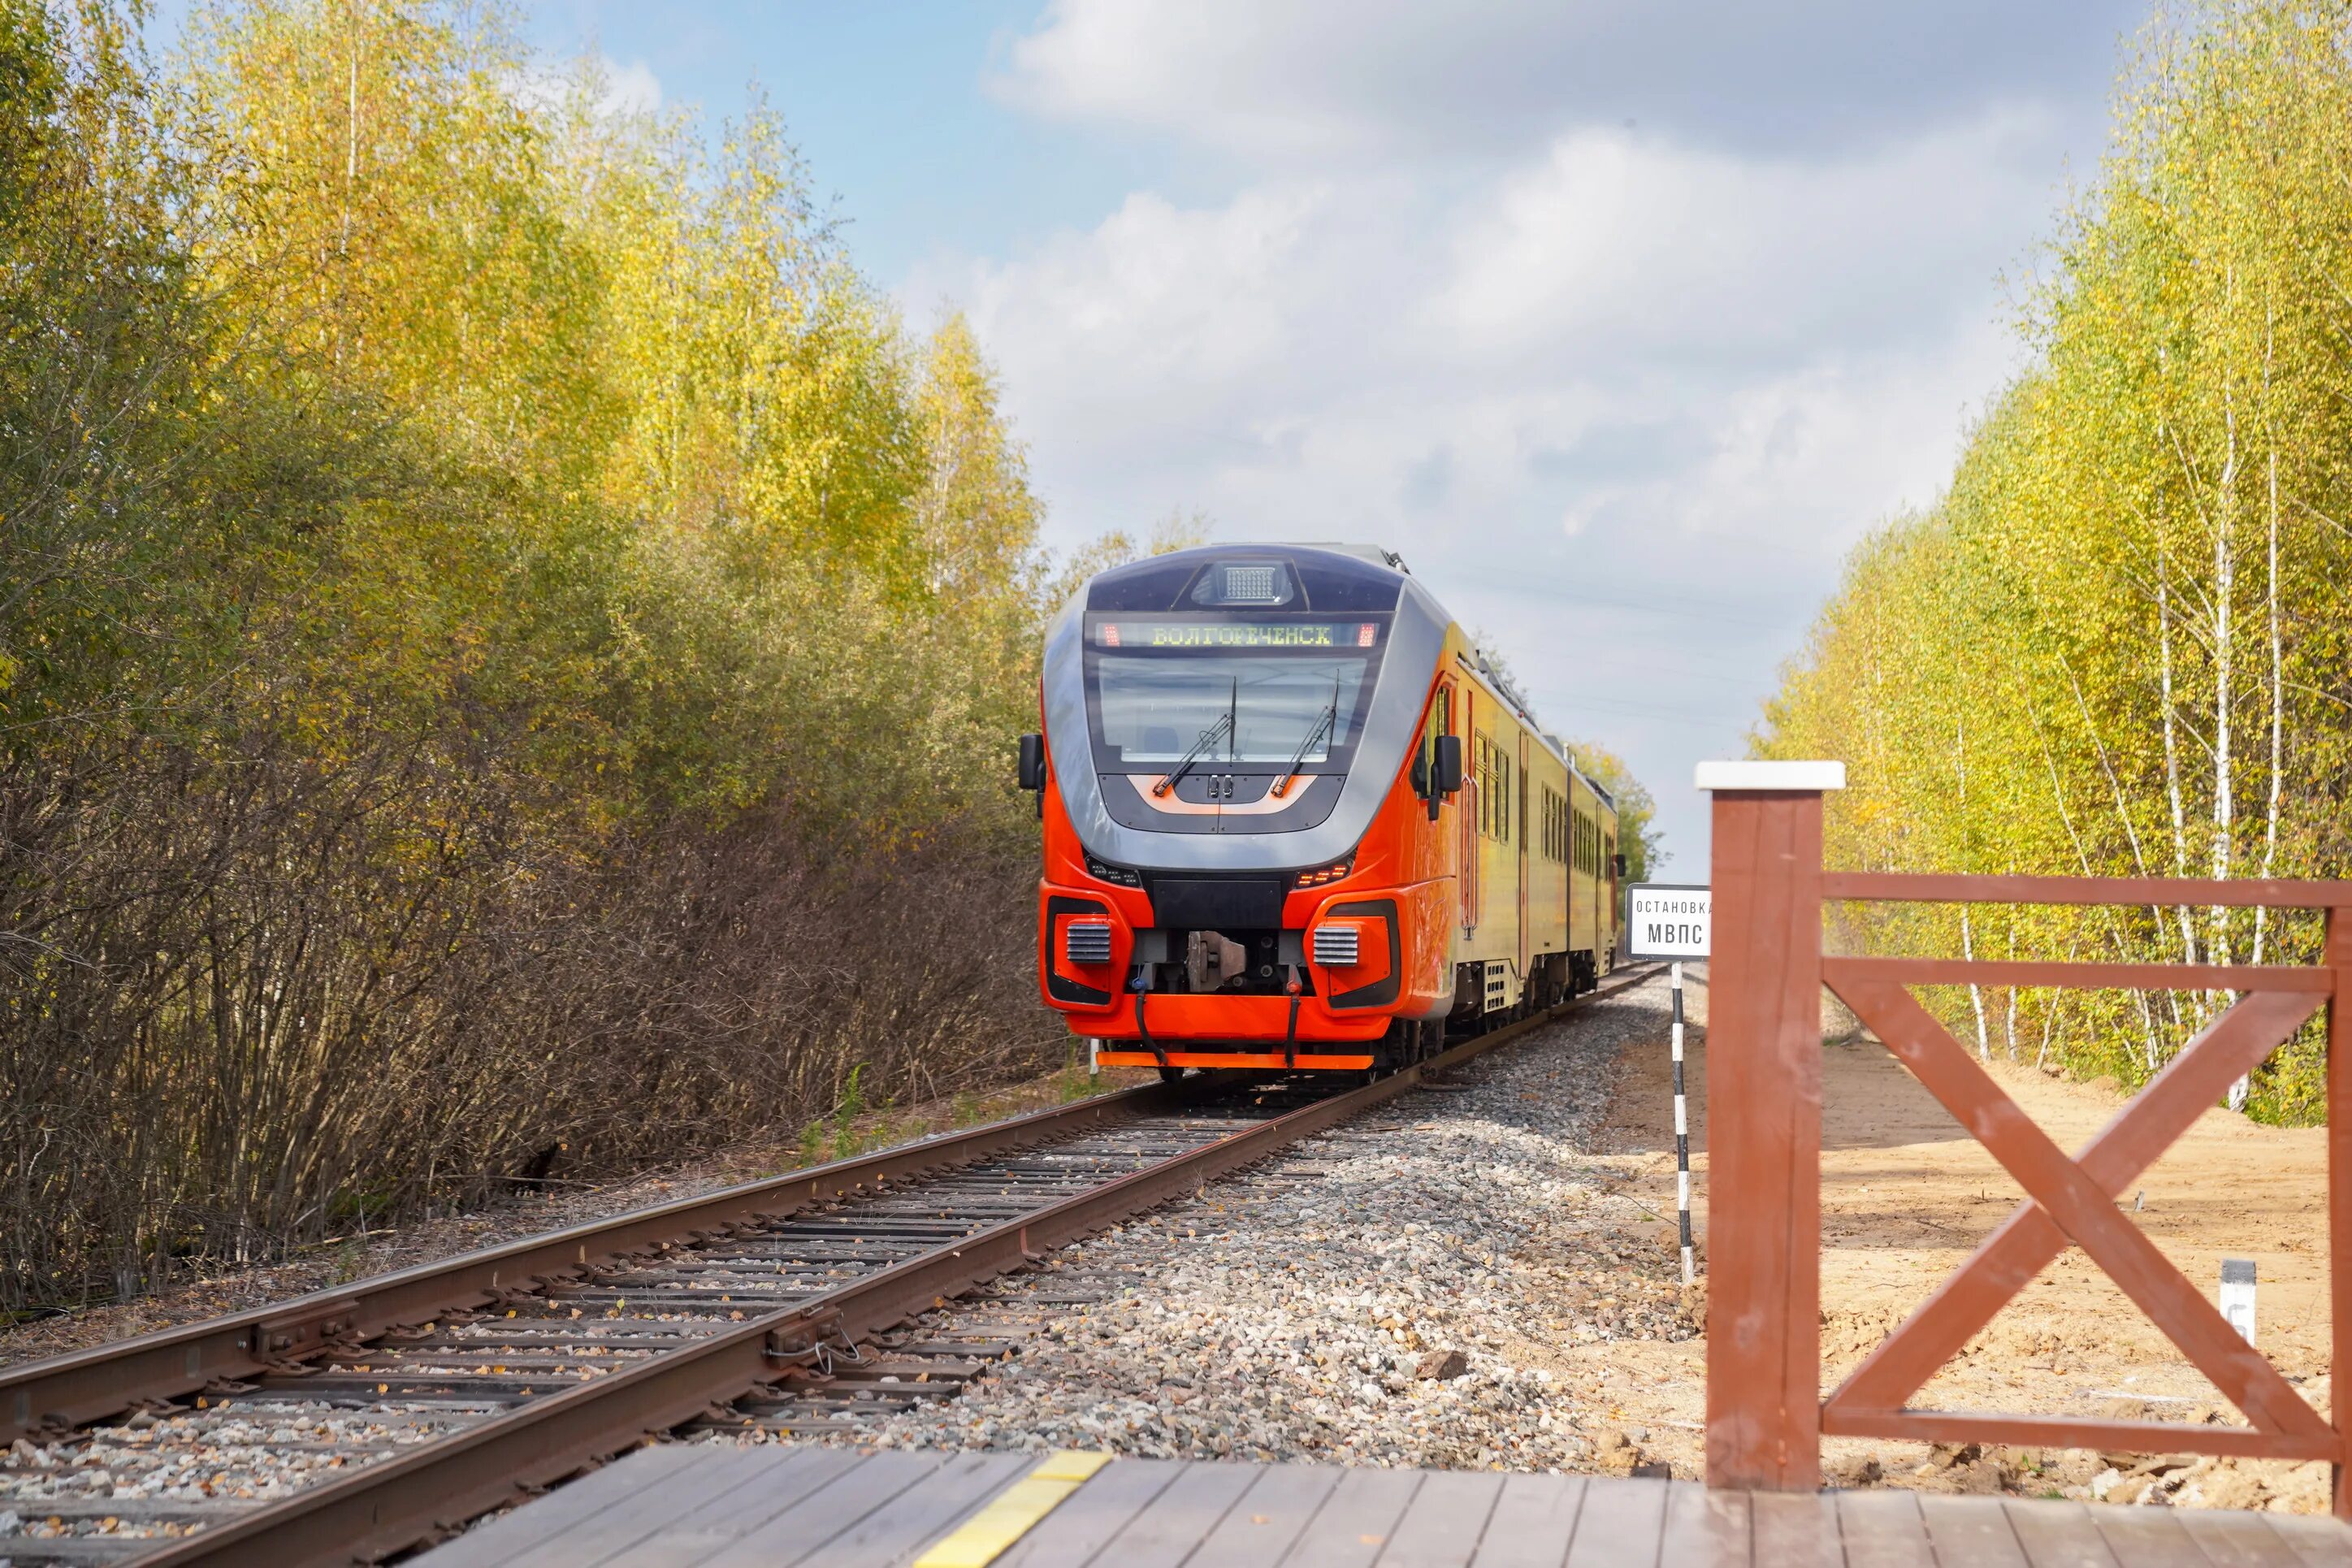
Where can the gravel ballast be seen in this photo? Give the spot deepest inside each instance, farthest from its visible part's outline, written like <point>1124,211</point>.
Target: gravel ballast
<point>1394,1292</point>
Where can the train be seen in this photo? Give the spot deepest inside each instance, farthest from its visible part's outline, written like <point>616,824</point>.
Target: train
<point>1295,821</point>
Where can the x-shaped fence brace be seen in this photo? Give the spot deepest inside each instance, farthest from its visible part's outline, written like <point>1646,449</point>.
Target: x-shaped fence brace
<point>2073,1200</point>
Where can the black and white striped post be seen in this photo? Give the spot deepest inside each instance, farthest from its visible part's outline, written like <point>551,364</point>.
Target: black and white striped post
<point>1676,920</point>
<point>1682,1136</point>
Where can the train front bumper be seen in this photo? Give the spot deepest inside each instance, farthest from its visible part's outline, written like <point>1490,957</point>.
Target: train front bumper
<point>1361,950</point>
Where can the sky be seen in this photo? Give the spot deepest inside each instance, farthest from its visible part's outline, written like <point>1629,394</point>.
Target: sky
<point>1621,319</point>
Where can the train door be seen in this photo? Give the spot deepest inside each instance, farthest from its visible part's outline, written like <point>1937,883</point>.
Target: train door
<point>1610,905</point>
<point>1469,825</point>
<point>1600,898</point>
<point>1526,950</point>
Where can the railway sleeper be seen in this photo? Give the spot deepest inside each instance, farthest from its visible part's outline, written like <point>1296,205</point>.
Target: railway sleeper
<point>71,1551</point>
<point>407,1385</point>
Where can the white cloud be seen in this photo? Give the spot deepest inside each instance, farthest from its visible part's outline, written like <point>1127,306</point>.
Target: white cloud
<point>1647,247</point>
<point>1576,342</point>
<point>620,90</point>
<point>630,88</point>
<point>1299,78</point>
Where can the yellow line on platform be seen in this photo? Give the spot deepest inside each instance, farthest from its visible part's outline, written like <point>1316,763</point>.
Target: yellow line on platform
<point>1013,1512</point>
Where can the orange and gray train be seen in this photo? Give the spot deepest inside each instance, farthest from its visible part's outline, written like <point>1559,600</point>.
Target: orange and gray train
<point>1292,820</point>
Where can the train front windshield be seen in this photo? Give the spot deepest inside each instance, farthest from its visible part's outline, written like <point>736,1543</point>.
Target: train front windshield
<point>1235,694</point>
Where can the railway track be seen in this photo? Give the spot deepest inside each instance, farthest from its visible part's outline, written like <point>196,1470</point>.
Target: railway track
<point>378,1416</point>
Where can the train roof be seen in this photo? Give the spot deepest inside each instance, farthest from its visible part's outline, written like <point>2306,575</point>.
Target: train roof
<point>1478,668</point>
<point>1324,577</point>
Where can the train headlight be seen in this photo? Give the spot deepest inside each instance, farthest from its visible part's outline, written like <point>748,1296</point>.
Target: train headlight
<point>1323,875</point>
<point>1258,585</point>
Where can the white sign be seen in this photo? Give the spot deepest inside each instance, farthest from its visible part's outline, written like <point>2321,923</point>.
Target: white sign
<point>1667,920</point>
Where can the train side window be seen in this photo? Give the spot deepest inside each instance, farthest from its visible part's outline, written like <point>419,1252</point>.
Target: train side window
<point>1485,749</point>
<point>1441,722</point>
<point>1497,790</point>
<point>1494,788</point>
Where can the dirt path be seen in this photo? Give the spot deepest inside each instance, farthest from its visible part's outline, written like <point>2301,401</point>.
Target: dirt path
<point>1907,1195</point>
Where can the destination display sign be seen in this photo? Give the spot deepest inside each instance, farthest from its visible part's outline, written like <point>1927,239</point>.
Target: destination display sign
<point>1665,920</point>
<point>1138,632</point>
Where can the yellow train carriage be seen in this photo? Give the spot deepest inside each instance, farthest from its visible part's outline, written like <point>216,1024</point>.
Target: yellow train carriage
<point>1539,850</point>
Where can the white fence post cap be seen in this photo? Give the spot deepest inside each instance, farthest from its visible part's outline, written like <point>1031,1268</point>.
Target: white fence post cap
<point>1789,776</point>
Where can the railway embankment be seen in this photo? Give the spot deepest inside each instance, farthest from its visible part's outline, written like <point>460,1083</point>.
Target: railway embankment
<point>1483,1275</point>
<point>1452,1281</point>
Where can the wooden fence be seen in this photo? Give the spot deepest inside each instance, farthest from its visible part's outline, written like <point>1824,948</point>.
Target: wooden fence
<point>1765,1415</point>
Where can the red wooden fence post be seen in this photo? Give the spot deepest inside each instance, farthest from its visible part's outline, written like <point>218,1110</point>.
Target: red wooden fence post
<point>1764,1125</point>
<point>2336,955</point>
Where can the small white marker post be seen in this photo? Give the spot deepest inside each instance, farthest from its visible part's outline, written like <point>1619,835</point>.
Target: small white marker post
<point>1093,1056</point>
<point>1682,1139</point>
<point>2238,1295</point>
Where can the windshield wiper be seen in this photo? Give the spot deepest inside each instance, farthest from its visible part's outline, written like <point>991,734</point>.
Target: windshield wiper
<point>1223,726</point>
<point>1322,727</point>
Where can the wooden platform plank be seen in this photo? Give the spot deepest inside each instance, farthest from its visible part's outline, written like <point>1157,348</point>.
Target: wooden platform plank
<point>1352,1527</point>
<point>1971,1532</point>
<point>498,1540</point>
<point>2055,1534</point>
<point>900,1533</point>
<point>1883,1530</point>
<point>1705,1529</point>
<point>1163,1533</point>
<point>712,1506</point>
<point>693,1534</point>
<point>2148,1538</point>
<point>1258,1530</point>
<point>1533,1521</point>
<point>1620,1524</point>
<point>1443,1524</point>
<point>841,1504</point>
<point>1073,1534</point>
<point>1795,1530</point>
<point>2316,1543</point>
<point>614,1530</point>
<point>2233,1540</point>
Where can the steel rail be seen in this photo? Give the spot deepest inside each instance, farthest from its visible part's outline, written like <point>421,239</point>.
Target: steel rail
<point>435,1487</point>
<point>61,1392</point>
